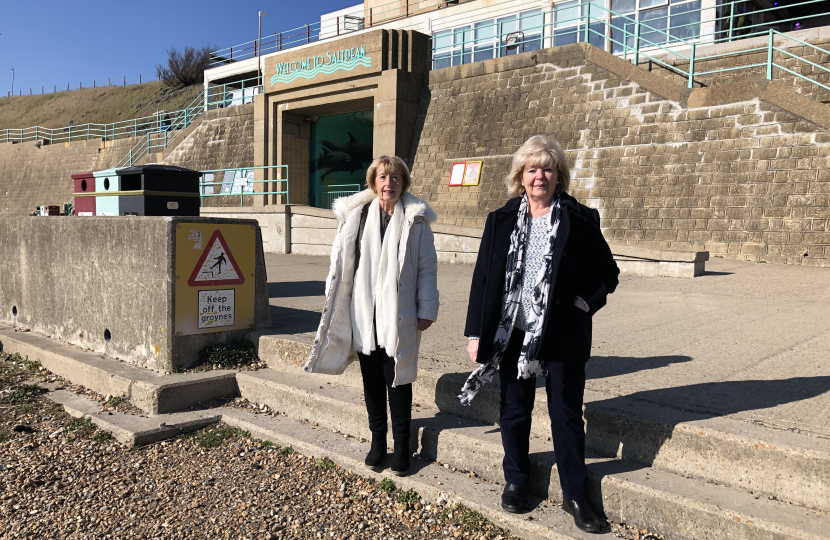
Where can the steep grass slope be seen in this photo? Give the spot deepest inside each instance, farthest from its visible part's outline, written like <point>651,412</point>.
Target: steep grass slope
<point>101,105</point>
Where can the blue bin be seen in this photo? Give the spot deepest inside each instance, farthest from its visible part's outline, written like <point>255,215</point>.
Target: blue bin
<point>107,206</point>
<point>107,180</point>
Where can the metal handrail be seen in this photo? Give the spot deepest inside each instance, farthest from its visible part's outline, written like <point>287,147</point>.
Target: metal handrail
<point>398,9</point>
<point>321,30</point>
<point>242,194</point>
<point>589,26</point>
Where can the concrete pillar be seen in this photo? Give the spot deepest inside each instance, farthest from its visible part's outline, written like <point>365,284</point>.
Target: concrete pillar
<point>294,134</point>
<point>261,138</point>
<point>396,108</point>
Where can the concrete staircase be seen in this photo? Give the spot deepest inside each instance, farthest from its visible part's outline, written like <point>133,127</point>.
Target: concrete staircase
<point>680,474</point>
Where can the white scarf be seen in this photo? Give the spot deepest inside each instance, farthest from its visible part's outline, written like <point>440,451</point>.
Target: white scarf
<point>528,364</point>
<point>375,295</point>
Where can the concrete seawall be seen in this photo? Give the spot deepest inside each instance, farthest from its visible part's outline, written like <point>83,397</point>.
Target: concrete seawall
<point>110,285</point>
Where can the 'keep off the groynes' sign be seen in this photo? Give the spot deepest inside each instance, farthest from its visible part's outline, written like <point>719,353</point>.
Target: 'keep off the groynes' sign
<point>308,68</point>
<point>215,270</point>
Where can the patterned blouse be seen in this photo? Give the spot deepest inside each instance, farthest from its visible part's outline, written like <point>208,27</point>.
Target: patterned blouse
<point>534,257</point>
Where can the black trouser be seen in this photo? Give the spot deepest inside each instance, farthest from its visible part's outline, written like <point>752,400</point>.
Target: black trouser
<point>378,371</point>
<point>565,387</point>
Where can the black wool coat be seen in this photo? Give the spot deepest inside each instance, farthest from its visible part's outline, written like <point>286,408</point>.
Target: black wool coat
<point>582,266</point>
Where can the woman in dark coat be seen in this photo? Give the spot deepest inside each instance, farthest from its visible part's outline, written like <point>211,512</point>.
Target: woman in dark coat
<point>543,270</point>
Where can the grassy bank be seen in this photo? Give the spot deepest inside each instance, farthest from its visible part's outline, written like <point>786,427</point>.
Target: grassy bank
<point>101,105</point>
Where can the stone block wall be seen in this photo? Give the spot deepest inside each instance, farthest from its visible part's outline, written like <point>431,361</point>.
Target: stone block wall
<point>726,171</point>
<point>223,140</point>
<point>32,176</point>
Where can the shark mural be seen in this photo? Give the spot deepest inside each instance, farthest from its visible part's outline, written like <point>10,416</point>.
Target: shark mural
<point>333,162</point>
<point>341,151</point>
<point>361,152</point>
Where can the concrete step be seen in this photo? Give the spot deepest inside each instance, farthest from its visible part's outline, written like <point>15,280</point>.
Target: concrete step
<point>151,392</point>
<point>660,501</point>
<point>128,429</point>
<point>787,466</point>
<point>431,481</point>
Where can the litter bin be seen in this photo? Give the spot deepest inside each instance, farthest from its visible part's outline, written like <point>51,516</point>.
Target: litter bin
<point>106,181</point>
<point>84,193</point>
<point>159,178</point>
<point>160,190</point>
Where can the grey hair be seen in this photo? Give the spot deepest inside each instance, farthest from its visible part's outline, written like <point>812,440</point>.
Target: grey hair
<point>541,151</point>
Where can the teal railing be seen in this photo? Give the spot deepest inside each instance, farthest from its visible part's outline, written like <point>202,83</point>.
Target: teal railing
<point>214,97</point>
<point>155,132</point>
<point>330,27</point>
<point>635,37</point>
<point>335,191</point>
<point>239,182</point>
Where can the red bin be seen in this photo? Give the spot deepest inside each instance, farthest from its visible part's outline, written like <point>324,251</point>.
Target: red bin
<point>84,183</point>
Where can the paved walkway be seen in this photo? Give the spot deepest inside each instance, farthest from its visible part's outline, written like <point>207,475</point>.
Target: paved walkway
<point>750,341</point>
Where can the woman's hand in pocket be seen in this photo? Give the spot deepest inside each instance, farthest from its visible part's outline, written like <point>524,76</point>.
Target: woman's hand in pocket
<point>423,324</point>
<point>581,304</point>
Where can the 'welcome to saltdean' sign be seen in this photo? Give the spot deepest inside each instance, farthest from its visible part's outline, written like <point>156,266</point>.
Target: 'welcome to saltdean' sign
<point>308,68</point>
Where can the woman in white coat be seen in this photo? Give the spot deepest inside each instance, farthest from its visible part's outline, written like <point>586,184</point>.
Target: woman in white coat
<point>381,293</point>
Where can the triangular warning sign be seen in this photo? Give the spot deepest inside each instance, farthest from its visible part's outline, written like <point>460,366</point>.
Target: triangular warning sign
<point>216,266</point>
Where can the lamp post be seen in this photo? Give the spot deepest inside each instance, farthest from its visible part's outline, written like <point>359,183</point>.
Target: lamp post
<point>12,81</point>
<point>259,43</point>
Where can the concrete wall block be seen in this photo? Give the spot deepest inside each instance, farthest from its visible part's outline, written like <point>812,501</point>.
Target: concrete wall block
<point>313,222</point>
<point>106,284</point>
<point>311,249</point>
<point>313,236</point>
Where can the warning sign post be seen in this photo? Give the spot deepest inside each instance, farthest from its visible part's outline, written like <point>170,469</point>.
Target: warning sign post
<point>215,285</point>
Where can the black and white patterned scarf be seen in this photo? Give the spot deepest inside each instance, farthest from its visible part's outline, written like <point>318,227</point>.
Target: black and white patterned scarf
<point>511,303</point>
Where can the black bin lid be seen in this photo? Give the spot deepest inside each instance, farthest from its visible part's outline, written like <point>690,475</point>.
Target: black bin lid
<point>157,170</point>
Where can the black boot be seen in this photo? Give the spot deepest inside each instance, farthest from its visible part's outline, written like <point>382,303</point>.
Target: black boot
<point>584,517</point>
<point>513,498</point>
<point>377,454</point>
<point>400,459</point>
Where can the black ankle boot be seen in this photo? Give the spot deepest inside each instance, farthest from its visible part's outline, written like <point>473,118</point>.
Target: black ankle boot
<point>400,459</point>
<point>584,517</point>
<point>377,454</point>
<point>513,498</point>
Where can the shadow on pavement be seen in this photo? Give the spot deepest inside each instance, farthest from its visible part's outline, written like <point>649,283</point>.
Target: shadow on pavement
<point>294,321</point>
<point>291,289</point>
<point>637,442</point>
<point>611,366</point>
<point>619,426</point>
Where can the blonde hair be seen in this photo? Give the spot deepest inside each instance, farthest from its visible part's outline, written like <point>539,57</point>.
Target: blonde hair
<point>389,163</point>
<point>540,151</point>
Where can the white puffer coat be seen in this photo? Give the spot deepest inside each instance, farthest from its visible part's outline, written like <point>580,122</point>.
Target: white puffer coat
<point>333,348</point>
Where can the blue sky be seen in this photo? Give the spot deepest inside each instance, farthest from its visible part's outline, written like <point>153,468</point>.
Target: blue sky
<point>55,42</point>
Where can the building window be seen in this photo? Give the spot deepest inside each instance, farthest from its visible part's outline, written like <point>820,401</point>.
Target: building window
<point>488,39</point>
<point>664,22</point>
<point>452,47</point>
<point>484,45</point>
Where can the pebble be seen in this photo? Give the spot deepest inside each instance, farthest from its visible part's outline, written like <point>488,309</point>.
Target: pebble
<point>75,485</point>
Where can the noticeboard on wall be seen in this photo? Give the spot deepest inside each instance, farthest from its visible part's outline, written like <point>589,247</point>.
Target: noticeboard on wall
<point>457,173</point>
<point>465,173</point>
<point>472,173</point>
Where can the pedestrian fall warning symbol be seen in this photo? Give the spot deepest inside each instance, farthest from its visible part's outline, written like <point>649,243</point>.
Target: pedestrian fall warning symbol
<point>216,266</point>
